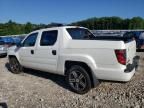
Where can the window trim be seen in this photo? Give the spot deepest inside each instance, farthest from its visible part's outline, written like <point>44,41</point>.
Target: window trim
<point>42,36</point>
<point>28,37</point>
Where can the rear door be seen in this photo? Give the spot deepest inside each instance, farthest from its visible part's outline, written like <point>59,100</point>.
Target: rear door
<point>131,51</point>
<point>46,53</point>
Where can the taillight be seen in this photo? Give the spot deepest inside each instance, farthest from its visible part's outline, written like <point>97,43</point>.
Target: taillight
<point>121,56</point>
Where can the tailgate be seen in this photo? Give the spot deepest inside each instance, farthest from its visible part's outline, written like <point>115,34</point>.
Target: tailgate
<point>130,51</point>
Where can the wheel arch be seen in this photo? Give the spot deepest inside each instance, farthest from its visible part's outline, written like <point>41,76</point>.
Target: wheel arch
<point>11,56</point>
<point>69,63</point>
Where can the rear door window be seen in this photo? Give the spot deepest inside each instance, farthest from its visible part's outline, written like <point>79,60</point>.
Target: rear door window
<point>48,38</point>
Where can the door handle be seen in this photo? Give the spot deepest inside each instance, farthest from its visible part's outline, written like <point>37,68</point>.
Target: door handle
<point>54,52</point>
<point>32,51</point>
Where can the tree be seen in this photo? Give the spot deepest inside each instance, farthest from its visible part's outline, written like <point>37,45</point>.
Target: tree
<point>111,23</point>
<point>136,23</point>
<point>28,27</point>
<point>13,28</point>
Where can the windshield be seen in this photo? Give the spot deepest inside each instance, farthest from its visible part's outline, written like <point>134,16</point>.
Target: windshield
<point>80,33</point>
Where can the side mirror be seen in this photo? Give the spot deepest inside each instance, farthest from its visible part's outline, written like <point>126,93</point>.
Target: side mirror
<point>19,44</point>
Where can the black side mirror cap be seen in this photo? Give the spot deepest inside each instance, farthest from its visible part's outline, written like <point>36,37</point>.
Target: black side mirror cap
<point>19,45</point>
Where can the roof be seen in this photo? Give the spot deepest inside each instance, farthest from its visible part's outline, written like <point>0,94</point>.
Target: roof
<point>61,27</point>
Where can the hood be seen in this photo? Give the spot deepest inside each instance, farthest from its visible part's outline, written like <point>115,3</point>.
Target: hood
<point>12,48</point>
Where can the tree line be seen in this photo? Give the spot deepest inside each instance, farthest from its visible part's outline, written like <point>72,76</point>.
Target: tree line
<point>103,23</point>
<point>107,23</point>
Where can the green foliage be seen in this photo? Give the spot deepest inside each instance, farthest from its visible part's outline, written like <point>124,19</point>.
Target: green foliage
<point>111,23</point>
<point>13,28</point>
<point>136,23</point>
<point>28,27</point>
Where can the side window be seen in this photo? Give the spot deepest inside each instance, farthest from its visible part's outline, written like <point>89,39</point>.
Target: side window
<point>48,38</point>
<point>30,40</point>
<point>80,33</point>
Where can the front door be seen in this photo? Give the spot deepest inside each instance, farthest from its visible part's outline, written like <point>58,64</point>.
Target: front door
<point>27,51</point>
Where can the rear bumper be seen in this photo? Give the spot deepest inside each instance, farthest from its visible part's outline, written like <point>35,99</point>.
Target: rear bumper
<point>119,74</point>
<point>114,75</point>
<point>130,67</point>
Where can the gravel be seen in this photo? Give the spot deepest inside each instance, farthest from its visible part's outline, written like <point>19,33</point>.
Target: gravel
<point>35,89</point>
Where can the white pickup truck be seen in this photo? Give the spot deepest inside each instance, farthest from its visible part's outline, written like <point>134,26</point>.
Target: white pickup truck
<point>77,54</point>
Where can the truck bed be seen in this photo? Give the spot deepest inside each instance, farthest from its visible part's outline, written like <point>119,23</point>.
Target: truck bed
<point>114,38</point>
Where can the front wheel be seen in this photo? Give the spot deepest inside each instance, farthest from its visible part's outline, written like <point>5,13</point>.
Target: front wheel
<point>15,66</point>
<point>78,79</point>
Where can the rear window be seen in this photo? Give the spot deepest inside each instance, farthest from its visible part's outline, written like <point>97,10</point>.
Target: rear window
<point>80,33</point>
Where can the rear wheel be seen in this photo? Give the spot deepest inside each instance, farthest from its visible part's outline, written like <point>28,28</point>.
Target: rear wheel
<point>15,66</point>
<point>78,79</point>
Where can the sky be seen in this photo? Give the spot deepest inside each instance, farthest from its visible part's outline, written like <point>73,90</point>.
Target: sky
<point>67,11</point>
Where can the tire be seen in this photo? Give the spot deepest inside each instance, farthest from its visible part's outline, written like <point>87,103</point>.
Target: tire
<point>15,66</point>
<point>78,79</point>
